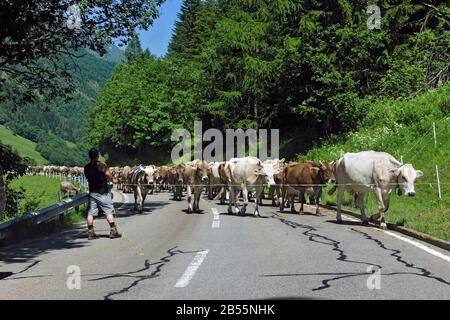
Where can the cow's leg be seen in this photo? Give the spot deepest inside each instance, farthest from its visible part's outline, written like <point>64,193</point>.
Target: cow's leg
<point>139,198</point>
<point>302,200</point>
<point>291,198</point>
<point>360,203</point>
<point>197,195</point>
<point>282,197</point>
<point>340,198</point>
<point>232,201</point>
<point>189,198</point>
<point>359,200</point>
<point>135,199</point>
<point>257,198</point>
<point>317,195</point>
<point>144,196</point>
<point>245,198</point>
<point>381,208</point>
<point>272,195</point>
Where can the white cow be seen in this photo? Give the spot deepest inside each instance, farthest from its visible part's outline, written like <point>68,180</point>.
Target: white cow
<point>249,173</point>
<point>142,180</point>
<point>376,172</point>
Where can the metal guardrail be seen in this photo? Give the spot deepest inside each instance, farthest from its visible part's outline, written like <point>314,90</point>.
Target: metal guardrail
<point>46,214</point>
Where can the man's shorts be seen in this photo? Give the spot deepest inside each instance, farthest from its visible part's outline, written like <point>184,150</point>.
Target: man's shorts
<point>102,201</point>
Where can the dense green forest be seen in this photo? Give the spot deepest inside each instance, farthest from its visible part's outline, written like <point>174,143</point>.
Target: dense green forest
<point>58,127</point>
<point>309,68</point>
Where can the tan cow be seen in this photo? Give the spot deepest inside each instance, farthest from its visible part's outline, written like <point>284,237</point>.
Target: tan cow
<point>67,188</point>
<point>217,181</point>
<point>196,178</point>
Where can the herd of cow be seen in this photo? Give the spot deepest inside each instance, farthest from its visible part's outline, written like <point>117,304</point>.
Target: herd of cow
<point>358,173</point>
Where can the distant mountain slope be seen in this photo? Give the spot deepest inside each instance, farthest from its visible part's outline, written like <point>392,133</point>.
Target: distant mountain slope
<point>24,147</point>
<point>64,120</point>
<point>114,54</point>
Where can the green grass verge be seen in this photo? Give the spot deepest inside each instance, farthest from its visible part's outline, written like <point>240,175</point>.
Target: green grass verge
<point>404,128</point>
<point>24,147</point>
<point>41,192</point>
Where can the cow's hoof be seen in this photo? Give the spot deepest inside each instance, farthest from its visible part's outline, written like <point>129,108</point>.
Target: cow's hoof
<point>365,222</point>
<point>383,226</point>
<point>339,221</point>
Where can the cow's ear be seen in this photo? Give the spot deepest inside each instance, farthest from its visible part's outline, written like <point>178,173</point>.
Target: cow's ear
<point>395,172</point>
<point>257,171</point>
<point>419,174</point>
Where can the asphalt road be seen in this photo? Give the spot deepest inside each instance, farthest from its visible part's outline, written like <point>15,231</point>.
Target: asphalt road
<point>168,254</point>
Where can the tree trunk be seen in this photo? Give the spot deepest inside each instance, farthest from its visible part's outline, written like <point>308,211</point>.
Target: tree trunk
<point>2,198</point>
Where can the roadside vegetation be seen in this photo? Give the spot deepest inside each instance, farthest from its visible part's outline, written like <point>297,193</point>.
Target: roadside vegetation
<point>38,192</point>
<point>403,128</point>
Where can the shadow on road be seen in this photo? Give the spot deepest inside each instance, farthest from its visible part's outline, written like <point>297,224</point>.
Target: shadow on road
<point>27,250</point>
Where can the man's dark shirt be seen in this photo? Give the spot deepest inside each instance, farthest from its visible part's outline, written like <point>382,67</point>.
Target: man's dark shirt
<point>96,177</point>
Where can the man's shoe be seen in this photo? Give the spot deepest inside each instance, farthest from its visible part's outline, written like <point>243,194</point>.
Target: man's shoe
<point>114,233</point>
<point>92,235</point>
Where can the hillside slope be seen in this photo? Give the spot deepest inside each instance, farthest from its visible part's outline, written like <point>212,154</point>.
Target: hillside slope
<point>50,124</point>
<point>403,128</point>
<point>24,147</point>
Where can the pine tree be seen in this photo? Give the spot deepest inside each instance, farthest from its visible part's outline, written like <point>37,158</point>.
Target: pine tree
<point>182,41</point>
<point>134,48</point>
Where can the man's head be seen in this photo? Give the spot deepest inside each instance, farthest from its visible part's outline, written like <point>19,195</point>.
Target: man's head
<point>94,154</point>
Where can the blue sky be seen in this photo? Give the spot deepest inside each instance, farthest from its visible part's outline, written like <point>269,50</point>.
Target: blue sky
<point>157,38</point>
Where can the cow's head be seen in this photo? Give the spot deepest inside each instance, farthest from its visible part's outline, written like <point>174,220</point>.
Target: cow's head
<point>325,172</point>
<point>268,170</point>
<point>406,176</point>
<point>149,174</point>
<point>179,172</point>
<point>201,169</point>
<point>157,175</point>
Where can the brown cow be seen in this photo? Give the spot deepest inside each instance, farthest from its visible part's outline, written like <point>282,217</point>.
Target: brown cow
<point>163,179</point>
<point>297,178</point>
<point>175,178</point>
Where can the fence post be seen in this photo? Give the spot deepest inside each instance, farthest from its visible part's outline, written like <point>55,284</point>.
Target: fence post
<point>437,169</point>
<point>438,183</point>
<point>434,134</point>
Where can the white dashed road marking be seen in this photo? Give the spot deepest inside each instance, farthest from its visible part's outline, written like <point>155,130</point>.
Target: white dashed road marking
<point>215,224</point>
<point>191,269</point>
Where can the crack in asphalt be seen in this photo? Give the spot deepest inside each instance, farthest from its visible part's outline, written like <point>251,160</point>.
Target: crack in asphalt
<point>395,253</point>
<point>139,278</point>
<point>329,242</point>
<point>8,275</point>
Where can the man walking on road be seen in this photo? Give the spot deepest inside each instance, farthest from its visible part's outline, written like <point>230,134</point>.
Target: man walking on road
<point>98,176</point>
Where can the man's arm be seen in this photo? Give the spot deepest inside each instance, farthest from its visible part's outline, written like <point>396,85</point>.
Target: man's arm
<point>104,168</point>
